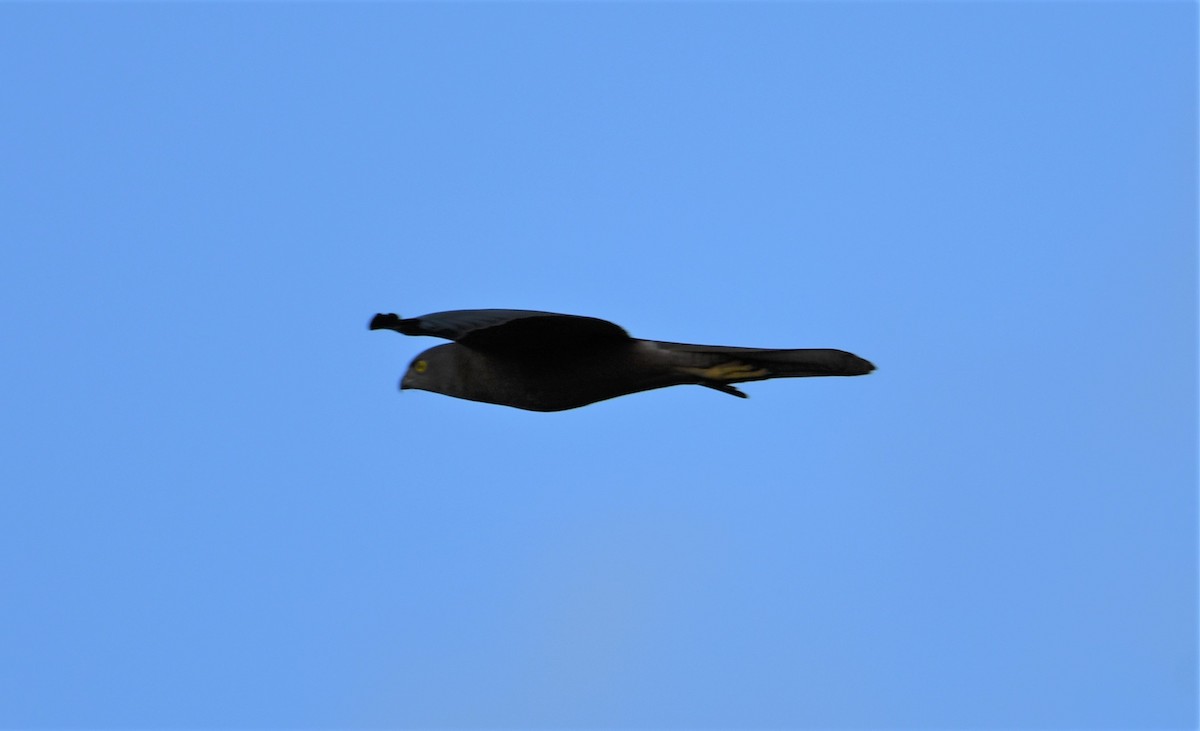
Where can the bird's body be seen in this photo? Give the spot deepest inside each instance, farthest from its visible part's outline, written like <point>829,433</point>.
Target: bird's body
<point>549,382</point>
<point>543,361</point>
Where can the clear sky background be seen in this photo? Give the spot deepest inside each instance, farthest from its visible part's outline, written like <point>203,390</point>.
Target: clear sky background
<point>218,512</point>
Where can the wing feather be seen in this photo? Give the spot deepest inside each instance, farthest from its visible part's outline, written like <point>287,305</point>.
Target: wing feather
<point>508,329</point>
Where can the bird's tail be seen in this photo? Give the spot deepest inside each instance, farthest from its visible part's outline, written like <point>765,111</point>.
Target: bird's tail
<point>807,362</point>
<point>718,367</point>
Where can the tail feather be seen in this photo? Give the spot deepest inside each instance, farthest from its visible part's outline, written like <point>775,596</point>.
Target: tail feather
<point>722,364</point>
<point>809,362</point>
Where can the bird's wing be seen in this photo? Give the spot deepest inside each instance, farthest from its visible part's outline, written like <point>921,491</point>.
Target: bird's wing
<point>505,329</point>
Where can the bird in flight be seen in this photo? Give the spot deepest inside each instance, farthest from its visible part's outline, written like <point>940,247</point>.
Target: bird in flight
<point>544,361</point>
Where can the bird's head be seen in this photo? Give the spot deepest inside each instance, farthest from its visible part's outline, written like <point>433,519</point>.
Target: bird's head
<point>434,370</point>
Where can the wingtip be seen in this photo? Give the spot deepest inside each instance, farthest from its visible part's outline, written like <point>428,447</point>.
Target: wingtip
<point>383,321</point>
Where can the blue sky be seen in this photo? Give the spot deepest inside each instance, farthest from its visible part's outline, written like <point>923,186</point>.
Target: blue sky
<point>218,512</point>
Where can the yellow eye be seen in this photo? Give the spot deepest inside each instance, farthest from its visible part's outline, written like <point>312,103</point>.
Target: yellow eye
<point>420,366</point>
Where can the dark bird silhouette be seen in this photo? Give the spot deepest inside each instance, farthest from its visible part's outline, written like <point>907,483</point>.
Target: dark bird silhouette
<point>543,361</point>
